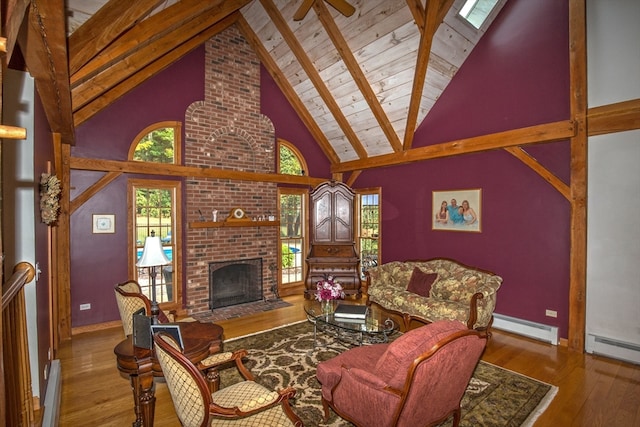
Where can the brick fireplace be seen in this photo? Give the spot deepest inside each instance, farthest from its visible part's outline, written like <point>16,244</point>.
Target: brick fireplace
<point>226,130</point>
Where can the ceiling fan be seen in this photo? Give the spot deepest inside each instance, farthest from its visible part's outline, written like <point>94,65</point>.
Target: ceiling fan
<point>340,5</point>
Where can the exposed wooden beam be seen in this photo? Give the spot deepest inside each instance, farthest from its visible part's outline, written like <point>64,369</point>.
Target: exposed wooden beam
<point>81,163</point>
<point>356,72</point>
<point>103,27</point>
<point>288,91</point>
<point>579,166</point>
<point>44,45</point>
<point>417,10</point>
<point>434,14</point>
<point>526,158</point>
<point>618,117</point>
<point>511,138</point>
<point>15,12</point>
<point>141,46</point>
<point>107,98</point>
<point>12,132</point>
<point>314,76</point>
<point>92,190</point>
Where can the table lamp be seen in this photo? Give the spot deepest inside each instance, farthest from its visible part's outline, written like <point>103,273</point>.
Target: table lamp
<point>152,257</point>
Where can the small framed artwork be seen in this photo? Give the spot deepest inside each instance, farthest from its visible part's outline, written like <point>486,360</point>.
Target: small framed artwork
<point>457,210</point>
<point>104,223</point>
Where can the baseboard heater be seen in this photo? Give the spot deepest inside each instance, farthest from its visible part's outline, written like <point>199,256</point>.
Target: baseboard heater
<point>613,348</point>
<point>529,329</point>
<point>52,399</point>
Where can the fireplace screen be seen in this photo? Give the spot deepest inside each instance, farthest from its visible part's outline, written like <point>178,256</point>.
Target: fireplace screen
<point>235,282</point>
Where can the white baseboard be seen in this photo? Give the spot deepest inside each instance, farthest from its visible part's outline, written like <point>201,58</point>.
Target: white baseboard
<point>613,348</point>
<point>52,398</point>
<point>527,328</point>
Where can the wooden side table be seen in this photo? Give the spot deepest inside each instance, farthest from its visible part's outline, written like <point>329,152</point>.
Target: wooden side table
<point>200,340</point>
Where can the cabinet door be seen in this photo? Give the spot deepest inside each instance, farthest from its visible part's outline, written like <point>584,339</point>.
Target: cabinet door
<point>322,226</point>
<point>343,217</point>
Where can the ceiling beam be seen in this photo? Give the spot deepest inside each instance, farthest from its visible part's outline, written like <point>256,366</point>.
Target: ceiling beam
<point>356,72</point>
<point>145,168</point>
<point>15,15</point>
<point>43,43</point>
<point>103,27</point>
<point>434,15</point>
<point>530,135</point>
<point>618,117</point>
<point>143,44</point>
<point>110,96</point>
<point>288,91</point>
<point>314,76</point>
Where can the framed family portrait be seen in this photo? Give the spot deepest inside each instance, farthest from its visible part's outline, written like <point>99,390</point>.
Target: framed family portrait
<point>457,210</point>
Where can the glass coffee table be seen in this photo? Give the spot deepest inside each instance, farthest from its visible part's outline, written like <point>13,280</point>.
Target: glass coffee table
<point>376,327</point>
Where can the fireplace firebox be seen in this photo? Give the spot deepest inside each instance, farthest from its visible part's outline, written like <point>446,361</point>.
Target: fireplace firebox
<point>234,282</point>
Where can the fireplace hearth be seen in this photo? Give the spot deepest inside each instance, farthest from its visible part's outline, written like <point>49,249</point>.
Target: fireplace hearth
<point>235,282</point>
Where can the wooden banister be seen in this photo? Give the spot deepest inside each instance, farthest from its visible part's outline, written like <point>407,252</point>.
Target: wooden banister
<point>23,273</point>
<point>19,404</point>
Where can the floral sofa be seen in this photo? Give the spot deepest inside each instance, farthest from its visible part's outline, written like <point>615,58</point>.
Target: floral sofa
<point>445,290</point>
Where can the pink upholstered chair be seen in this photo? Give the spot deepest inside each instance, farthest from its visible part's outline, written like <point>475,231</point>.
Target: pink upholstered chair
<point>418,379</point>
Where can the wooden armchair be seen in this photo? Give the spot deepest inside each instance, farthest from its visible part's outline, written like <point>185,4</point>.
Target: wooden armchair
<point>130,299</point>
<point>419,379</point>
<point>245,403</point>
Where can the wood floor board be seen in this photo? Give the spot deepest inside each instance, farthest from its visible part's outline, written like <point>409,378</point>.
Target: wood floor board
<point>593,390</point>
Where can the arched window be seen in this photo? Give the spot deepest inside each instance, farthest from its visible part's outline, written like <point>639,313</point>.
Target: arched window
<point>154,210</point>
<point>158,143</point>
<point>293,227</point>
<point>290,160</point>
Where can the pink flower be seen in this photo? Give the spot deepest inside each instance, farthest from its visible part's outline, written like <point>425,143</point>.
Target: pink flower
<point>328,289</point>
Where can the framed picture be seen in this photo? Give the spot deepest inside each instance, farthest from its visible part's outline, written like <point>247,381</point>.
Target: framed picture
<point>104,223</point>
<point>457,210</point>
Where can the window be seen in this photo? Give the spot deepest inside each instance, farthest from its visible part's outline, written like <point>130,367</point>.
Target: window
<point>476,12</point>
<point>293,226</point>
<point>368,230</point>
<point>153,211</point>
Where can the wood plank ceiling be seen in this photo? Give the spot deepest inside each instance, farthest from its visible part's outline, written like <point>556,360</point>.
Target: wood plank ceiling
<point>362,84</point>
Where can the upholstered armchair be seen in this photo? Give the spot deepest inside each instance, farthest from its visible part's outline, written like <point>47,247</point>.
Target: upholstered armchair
<point>245,403</point>
<point>130,299</point>
<point>418,379</point>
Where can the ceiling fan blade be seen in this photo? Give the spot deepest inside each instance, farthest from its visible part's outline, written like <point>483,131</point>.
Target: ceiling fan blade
<point>302,10</point>
<point>342,6</point>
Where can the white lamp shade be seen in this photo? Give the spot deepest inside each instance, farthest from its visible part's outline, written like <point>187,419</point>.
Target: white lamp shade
<point>152,254</point>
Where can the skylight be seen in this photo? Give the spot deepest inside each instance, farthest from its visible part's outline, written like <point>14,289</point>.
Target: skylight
<point>476,11</point>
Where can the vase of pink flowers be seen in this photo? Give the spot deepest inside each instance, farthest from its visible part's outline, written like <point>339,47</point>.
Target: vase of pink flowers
<point>328,291</point>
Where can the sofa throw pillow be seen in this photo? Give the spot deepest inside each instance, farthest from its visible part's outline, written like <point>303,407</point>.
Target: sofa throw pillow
<point>420,282</point>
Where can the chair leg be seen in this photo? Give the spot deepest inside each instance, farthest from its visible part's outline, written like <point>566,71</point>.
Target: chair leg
<point>326,409</point>
<point>456,417</point>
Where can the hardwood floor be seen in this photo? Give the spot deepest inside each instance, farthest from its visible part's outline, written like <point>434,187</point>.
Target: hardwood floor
<point>593,391</point>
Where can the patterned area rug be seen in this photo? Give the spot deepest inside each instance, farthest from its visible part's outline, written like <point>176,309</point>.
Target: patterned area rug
<point>285,357</point>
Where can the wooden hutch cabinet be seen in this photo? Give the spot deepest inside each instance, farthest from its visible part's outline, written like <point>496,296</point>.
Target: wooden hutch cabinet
<point>332,248</point>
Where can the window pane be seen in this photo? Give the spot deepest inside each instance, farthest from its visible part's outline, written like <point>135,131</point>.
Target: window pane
<point>154,207</point>
<point>157,146</point>
<point>369,230</point>
<point>291,237</point>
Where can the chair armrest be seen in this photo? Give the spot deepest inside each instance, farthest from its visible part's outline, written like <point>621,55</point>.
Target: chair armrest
<point>218,359</point>
<point>365,378</point>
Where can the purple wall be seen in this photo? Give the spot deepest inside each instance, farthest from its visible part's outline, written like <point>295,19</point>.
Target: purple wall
<point>99,261</point>
<point>289,127</point>
<point>516,76</point>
